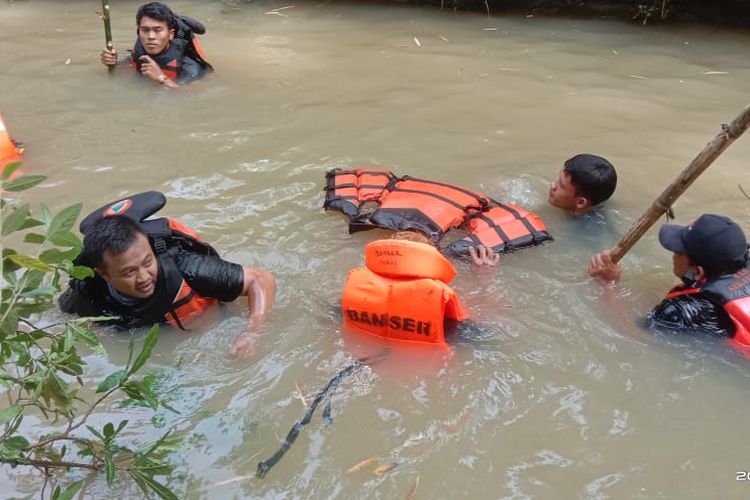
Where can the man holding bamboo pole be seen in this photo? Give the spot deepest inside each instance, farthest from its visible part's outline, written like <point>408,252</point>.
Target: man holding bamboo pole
<point>166,50</point>
<point>710,256</point>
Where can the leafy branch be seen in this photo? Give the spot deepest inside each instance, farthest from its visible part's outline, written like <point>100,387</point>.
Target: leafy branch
<point>42,371</point>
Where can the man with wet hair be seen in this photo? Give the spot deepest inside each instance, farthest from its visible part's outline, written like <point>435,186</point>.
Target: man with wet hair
<point>710,256</point>
<point>144,277</point>
<point>585,181</point>
<point>166,50</point>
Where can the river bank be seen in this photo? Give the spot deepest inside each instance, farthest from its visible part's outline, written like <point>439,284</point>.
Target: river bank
<point>727,13</point>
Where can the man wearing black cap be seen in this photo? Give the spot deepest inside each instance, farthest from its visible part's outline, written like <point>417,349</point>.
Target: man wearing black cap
<point>711,258</point>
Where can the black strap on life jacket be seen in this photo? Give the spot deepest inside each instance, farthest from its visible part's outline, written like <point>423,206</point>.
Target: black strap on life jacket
<point>324,394</point>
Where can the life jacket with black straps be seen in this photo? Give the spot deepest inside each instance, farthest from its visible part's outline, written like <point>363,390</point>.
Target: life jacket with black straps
<point>173,300</point>
<point>402,293</point>
<point>432,208</point>
<point>732,293</point>
<point>184,43</point>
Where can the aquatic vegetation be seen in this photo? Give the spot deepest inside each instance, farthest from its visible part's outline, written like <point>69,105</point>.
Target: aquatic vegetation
<point>42,372</point>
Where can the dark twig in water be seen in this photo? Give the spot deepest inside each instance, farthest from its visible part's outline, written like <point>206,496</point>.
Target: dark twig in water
<point>324,394</point>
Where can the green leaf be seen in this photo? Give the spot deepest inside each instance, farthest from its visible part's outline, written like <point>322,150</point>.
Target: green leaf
<point>56,256</point>
<point>34,238</point>
<point>56,493</point>
<point>23,183</point>
<point>133,390</point>
<point>9,414</point>
<point>88,337</point>
<point>10,323</point>
<point>15,220</point>
<point>63,222</point>
<point>148,396</point>
<point>46,215</point>
<point>109,430</point>
<point>23,360</point>
<point>95,433</point>
<point>17,442</point>
<point>138,478</point>
<point>42,291</point>
<point>149,482</point>
<point>9,169</point>
<point>148,346</point>
<point>109,465</point>
<point>66,239</point>
<point>121,426</point>
<point>56,389</point>
<point>29,223</point>
<point>32,280</point>
<point>71,490</point>
<point>113,380</point>
<point>81,272</point>
<point>29,262</point>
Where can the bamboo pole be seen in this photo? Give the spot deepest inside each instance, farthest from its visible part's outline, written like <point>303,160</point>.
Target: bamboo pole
<point>729,133</point>
<point>107,30</point>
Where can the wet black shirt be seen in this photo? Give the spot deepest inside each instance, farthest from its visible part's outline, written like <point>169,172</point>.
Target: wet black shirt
<point>691,313</point>
<point>211,276</point>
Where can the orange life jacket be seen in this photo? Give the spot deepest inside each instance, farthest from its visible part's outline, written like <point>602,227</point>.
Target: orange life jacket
<point>432,208</point>
<point>9,152</point>
<point>347,189</point>
<point>402,293</point>
<point>502,228</point>
<point>732,293</point>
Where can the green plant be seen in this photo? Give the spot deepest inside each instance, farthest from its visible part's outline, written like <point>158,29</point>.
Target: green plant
<point>41,369</point>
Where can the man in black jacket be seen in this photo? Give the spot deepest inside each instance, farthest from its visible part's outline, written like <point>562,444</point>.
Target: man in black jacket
<point>158,271</point>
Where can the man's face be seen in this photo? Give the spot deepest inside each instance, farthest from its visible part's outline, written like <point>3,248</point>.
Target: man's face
<point>562,194</point>
<point>154,35</point>
<point>132,272</point>
<point>681,264</point>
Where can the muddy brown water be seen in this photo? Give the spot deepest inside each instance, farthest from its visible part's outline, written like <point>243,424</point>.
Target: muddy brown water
<point>552,396</point>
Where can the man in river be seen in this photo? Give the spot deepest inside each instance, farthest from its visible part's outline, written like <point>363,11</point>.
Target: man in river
<point>166,50</point>
<point>158,271</point>
<point>585,182</point>
<point>710,256</point>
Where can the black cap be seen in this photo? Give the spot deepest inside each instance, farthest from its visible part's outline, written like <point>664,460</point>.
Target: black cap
<point>713,242</point>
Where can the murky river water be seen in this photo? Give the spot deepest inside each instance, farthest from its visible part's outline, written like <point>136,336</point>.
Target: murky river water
<point>553,397</point>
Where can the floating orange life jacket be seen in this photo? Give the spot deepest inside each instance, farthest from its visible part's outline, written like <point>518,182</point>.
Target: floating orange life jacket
<point>9,152</point>
<point>347,189</point>
<point>732,293</point>
<point>432,208</point>
<point>402,293</point>
<point>502,228</point>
